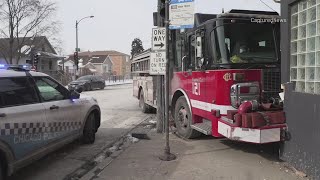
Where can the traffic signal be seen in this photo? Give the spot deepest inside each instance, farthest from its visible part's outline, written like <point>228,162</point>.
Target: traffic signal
<point>162,8</point>
<point>161,13</point>
<point>76,58</point>
<point>35,59</point>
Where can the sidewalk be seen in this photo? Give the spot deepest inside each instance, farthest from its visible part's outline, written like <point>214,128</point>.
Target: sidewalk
<point>201,159</point>
<point>112,83</point>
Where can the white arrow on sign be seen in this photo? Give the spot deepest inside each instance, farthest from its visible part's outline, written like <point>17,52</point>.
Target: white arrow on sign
<point>158,39</point>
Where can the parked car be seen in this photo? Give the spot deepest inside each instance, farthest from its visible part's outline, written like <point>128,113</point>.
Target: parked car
<point>88,83</point>
<point>38,115</point>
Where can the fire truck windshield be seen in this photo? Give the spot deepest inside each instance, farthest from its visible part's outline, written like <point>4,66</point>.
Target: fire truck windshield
<point>244,43</point>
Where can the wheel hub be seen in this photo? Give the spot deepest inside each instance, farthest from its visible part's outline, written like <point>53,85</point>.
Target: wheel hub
<point>183,117</point>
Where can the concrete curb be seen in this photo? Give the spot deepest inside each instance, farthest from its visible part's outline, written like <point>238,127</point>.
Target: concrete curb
<point>119,84</point>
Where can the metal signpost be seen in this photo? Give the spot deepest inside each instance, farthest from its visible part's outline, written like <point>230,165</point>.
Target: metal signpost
<point>179,14</point>
<point>167,155</point>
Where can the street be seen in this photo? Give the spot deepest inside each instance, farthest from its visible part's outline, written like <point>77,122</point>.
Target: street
<point>120,113</point>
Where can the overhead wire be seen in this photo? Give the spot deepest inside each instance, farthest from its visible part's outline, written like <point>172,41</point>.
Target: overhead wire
<point>267,5</point>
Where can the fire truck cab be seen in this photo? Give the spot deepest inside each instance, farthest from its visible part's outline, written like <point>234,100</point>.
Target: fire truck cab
<point>226,79</point>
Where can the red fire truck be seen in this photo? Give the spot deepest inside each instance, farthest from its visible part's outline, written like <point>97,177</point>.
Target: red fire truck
<point>225,80</point>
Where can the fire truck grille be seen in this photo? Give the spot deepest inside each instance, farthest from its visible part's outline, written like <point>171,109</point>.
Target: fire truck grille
<point>271,83</point>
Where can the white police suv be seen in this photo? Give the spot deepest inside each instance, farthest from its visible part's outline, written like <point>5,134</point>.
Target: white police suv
<point>39,115</point>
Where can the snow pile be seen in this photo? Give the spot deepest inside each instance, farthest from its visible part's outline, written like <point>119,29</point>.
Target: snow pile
<point>99,159</point>
<point>132,139</point>
<point>153,122</point>
<point>113,149</point>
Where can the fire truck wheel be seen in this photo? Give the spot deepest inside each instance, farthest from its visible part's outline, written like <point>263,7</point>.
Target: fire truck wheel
<point>89,131</point>
<point>145,107</point>
<point>183,119</point>
<point>2,177</point>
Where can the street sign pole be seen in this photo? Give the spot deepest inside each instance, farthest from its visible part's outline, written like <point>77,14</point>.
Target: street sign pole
<point>167,156</point>
<point>160,92</point>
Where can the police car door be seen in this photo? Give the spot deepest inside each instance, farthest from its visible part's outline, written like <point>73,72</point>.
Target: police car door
<point>63,115</point>
<point>22,116</point>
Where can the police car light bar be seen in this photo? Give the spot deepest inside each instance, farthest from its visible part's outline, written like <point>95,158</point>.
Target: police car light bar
<point>15,67</point>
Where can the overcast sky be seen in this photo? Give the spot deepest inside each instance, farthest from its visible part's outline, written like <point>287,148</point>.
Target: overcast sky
<point>118,22</point>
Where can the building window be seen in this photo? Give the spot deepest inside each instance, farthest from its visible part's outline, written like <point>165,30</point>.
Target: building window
<point>50,65</point>
<point>305,46</point>
<point>105,68</point>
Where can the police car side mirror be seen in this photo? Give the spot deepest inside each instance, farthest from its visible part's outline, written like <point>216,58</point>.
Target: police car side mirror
<point>74,95</point>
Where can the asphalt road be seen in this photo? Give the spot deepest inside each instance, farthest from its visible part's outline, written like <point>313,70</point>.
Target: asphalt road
<point>120,113</point>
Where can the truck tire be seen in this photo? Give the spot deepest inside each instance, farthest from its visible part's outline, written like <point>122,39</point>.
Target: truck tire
<point>2,172</point>
<point>89,131</point>
<point>145,107</point>
<point>183,119</point>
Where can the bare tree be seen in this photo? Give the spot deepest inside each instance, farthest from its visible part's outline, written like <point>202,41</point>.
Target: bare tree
<point>22,19</point>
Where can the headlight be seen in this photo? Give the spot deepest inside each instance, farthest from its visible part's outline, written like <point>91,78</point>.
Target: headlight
<point>242,92</point>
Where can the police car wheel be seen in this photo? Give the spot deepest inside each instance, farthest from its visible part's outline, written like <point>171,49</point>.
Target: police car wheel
<point>89,132</point>
<point>2,177</point>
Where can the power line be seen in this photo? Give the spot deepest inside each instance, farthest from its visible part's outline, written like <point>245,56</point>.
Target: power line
<point>267,5</point>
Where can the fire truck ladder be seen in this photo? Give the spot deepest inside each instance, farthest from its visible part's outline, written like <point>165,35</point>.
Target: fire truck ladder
<point>205,127</point>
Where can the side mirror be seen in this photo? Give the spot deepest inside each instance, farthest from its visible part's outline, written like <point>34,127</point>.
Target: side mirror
<point>200,62</point>
<point>199,47</point>
<point>183,63</point>
<point>74,95</point>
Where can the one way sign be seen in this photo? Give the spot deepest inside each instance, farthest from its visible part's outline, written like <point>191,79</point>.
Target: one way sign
<point>158,39</point>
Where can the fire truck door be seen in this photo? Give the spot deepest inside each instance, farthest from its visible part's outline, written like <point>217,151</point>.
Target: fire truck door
<point>198,82</point>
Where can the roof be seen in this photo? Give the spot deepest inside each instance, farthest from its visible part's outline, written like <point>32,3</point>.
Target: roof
<point>37,42</point>
<point>98,59</point>
<point>12,73</point>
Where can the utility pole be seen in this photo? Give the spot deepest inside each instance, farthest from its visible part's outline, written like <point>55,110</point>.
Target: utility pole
<point>76,54</point>
<point>167,156</point>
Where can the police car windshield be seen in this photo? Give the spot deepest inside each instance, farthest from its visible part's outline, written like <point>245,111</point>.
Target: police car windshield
<point>244,43</point>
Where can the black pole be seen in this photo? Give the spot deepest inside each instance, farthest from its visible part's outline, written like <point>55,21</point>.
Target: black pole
<point>160,87</point>
<point>167,156</point>
<point>77,45</point>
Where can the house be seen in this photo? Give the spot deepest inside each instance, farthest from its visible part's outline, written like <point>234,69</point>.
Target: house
<point>21,55</point>
<point>102,64</point>
<point>67,66</point>
<point>106,62</point>
<point>300,71</point>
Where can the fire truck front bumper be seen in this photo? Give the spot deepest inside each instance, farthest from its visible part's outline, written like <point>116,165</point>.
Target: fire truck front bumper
<point>269,134</point>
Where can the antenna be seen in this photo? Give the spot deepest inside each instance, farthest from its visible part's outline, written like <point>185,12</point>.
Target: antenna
<point>267,5</point>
